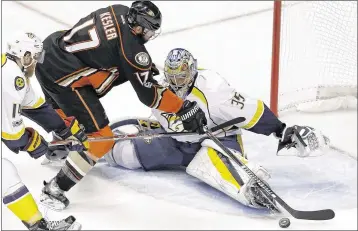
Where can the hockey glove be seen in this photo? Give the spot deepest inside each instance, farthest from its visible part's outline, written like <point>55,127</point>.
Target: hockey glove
<point>58,152</point>
<point>286,136</point>
<point>36,145</point>
<point>74,131</point>
<point>192,116</point>
<point>305,139</point>
<point>154,70</point>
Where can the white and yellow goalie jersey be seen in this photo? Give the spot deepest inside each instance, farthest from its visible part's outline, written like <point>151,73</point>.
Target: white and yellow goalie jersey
<point>221,102</point>
<point>17,94</point>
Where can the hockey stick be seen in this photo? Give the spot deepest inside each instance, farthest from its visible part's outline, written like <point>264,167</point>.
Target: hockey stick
<point>150,136</point>
<point>325,214</point>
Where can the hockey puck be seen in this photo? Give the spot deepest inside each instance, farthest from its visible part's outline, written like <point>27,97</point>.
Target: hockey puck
<point>284,222</point>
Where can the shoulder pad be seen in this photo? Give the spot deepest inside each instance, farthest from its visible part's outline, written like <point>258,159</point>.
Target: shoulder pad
<point>208,79</point>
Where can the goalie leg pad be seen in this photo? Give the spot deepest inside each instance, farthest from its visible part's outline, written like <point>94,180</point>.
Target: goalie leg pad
<point>217,170</point>
<point>230,142</point>
<point>124,155</point>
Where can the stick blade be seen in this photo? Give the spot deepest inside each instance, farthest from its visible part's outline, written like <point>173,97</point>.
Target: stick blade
<point>318,215</point>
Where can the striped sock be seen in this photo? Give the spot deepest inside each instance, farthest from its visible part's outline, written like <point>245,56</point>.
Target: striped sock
<point>20,201</point>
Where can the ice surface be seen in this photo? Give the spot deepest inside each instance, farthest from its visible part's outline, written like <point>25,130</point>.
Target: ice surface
<point>115,198</point>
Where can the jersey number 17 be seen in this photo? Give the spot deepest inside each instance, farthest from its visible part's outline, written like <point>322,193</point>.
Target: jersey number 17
<point>92,43</point>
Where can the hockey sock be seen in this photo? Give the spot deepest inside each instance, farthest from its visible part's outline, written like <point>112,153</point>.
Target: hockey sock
<point>20,201</point>
<point>76,166</point>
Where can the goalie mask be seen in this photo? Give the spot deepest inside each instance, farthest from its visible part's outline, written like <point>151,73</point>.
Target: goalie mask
<point>27,47</point>
<point>180,70</point>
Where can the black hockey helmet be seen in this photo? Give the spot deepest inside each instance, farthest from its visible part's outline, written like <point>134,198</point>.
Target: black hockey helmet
<point>144,14</point>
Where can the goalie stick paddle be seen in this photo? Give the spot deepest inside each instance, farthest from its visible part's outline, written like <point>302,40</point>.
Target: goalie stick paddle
<point>325,214</point>
<point>151,136</point>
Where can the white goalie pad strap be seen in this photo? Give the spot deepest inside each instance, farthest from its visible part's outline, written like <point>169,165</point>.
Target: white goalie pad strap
<point>219,172</point>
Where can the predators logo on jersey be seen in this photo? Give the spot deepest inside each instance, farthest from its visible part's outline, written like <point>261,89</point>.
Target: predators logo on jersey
<point>19,83</point>
<point>174,122</point>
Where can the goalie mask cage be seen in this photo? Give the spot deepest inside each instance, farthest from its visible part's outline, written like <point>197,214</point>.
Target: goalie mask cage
<point>314,56</point>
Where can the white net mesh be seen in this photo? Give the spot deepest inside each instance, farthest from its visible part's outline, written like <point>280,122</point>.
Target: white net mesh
<point>318,52</point>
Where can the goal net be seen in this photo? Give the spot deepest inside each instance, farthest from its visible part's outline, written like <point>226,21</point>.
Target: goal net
<point>314,63</point>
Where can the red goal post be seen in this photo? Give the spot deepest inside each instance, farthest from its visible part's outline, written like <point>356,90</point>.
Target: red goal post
<point>275,55</point>
<point>314,56</point>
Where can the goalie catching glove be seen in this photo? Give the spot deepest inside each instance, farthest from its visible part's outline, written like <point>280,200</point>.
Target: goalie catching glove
<point>305,139</point>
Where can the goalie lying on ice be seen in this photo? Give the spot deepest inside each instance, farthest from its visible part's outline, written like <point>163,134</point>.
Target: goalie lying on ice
<point>202,158</point>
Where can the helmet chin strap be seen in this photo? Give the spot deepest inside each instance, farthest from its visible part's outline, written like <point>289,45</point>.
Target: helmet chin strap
<point>26,66</point>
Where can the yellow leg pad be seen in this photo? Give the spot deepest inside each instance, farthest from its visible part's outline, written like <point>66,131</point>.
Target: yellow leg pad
<point>23,205</point>
<point>221,167</point>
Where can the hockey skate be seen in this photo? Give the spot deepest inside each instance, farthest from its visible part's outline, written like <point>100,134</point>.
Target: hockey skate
<point>68,223</point>
<point>53,197</point>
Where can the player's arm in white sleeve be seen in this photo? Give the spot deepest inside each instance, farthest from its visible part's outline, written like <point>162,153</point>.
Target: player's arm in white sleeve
<point>14,134</point>
<point>230,103</point>
<point>258,117</point>
<point>13,128</point>
<point>261,120</point>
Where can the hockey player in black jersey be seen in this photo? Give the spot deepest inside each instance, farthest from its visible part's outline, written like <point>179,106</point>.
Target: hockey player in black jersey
<point>103,50</point>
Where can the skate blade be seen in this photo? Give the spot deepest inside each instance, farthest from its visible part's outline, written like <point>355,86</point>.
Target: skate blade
<point>75,226</point>
<point>51,203</point>
<point>55,163</point>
